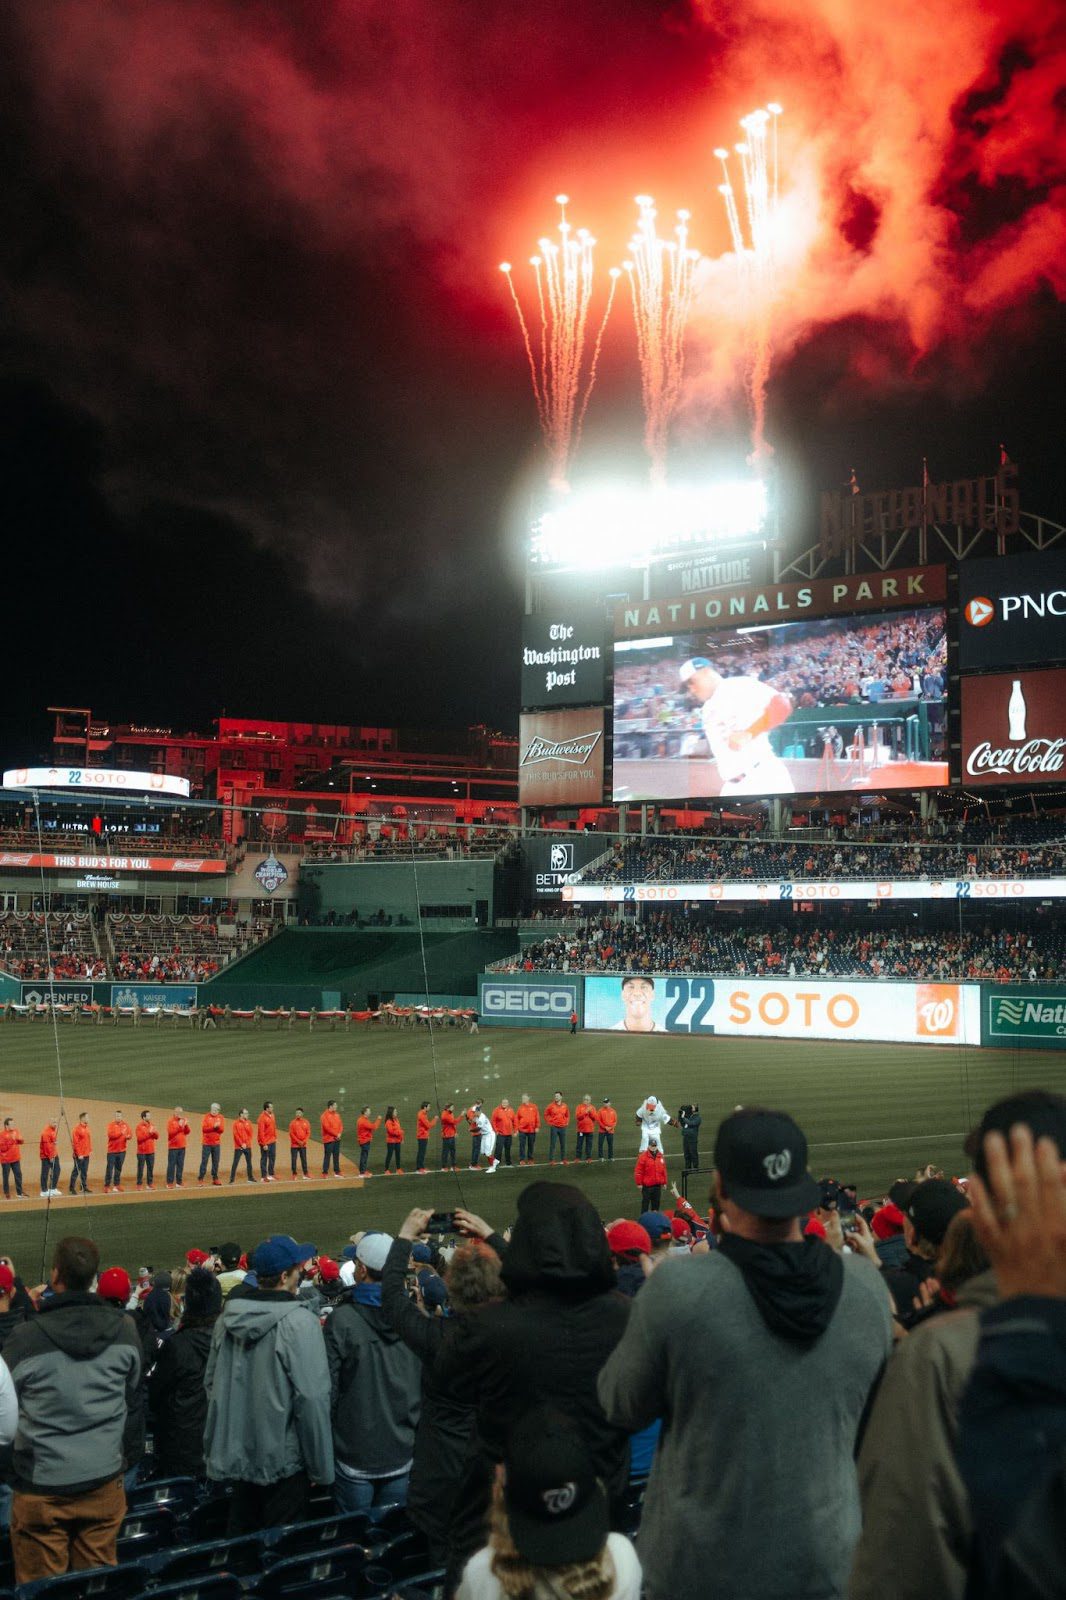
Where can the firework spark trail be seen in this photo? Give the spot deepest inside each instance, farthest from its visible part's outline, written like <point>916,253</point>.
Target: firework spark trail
<point>759,176</point>
<point>661,276</point>
<point>564,276</point>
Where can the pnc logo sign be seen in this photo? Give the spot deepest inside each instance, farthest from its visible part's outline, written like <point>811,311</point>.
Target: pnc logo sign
<point>979,611</point>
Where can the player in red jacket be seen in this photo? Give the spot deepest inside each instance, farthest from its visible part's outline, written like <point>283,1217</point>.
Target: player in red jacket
<point>425,1122</point>
<point>212,1128</point>
<point>11,1157</point>
<point>607,1117</point>
<point>586,1126</point>
<point>243,1132</point>
<point>365,1130</point>
<point>649,1174</point>
<point>49,1152</point>
<point>119,1134</point>
<point>527,1121</point>
<point>557,1116</point>
<point>503,1126</point>
<point>448,1124</point>
<point>82,1142</point>
<point>393,1142</point>
<point>299,1133</point>
<point>177,1132</point>
<point>147,1136</point>
<point>266,1134</point>
<point>332,1128</point>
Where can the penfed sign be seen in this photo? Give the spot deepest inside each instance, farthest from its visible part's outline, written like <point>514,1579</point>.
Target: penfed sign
<point>1014,728</point>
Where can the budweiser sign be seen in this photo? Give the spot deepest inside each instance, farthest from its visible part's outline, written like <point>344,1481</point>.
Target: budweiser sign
<point>1014,727</point>
<point>561,758</point>
<point>576,751</point>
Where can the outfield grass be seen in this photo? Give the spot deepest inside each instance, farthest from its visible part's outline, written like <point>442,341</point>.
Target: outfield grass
<point>871,1113</point>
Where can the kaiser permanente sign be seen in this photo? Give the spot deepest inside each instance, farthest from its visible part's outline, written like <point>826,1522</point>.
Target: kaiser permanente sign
<point>832,889</point>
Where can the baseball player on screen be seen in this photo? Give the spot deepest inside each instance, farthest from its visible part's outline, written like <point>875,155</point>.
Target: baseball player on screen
<point>737,715</point>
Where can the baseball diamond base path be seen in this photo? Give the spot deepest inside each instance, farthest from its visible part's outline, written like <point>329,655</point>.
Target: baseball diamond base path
<point>32,1111</point>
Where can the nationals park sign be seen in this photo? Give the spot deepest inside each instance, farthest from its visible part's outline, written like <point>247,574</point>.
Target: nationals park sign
<point>783,602</point>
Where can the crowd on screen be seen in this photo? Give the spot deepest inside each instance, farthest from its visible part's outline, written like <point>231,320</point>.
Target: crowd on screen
<point>574,1406</point>
<point>670,941</point>
<point>688,860</point>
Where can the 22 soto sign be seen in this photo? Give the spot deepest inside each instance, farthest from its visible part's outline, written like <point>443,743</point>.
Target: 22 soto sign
<point>768,1008</point>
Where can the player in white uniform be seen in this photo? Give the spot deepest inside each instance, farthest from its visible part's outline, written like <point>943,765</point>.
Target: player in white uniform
<point>488,1135</point>
<point>652,1117</point>
<point>737,715</point>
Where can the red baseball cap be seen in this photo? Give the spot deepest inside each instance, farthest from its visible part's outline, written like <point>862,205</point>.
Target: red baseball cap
<point>196,1258</point>
<point>328,1270</point>
<point>7,1280</point>
<point>114,1284</point>
<point>680,1228</point>
<point>628,1236</point>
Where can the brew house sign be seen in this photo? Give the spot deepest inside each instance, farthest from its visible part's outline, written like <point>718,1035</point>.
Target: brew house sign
<point>1014,728</point>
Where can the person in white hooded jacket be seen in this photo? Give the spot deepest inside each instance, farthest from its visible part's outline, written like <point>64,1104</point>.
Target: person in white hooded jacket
<point>651,1118</point>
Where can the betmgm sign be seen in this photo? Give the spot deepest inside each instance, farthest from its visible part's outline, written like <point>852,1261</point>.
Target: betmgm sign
<point>528,1000</point>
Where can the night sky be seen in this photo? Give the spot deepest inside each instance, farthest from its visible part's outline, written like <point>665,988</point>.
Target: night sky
<point>266,431</point>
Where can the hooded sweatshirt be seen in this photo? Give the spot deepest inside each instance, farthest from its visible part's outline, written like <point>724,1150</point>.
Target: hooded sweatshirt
<point>267,1384</point>
<point>76,1368</point>
<point>376,1385</point>
<point>796,1287</point>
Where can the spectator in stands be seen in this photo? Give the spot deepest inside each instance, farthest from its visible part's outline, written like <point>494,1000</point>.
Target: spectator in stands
<point>560,1321</point>
<point>15,1303</point>
<point>549,1522</point>
<point>607,1118</point>
<point>658,1227</point>
<point>376,1387</point>
<point>242,1145</point>
<point>178,1131</point>
<point>916,1516</point>
<point>268,1409</point>
<point>228,1266</point>
<point>527,1121</point>
<point>119,1134</point>
<point>557,1116</point>
<point>11,1142</point>
<point>147,1137</point>
<point>177,1399</point>
<point>649,1175</point>
<point>299,1134</point>
<point>445,1426</point>
<point>365,1129</point>
<point>332,1128</point>
<point>76,1369</point>
<point>393,1141</point>
<point>82,1142</point>
<point>267,1138</point>
<point>1012,1434</point>
<point>768,1335</point>
<point>212,1127</point>
<point>926,1216</point>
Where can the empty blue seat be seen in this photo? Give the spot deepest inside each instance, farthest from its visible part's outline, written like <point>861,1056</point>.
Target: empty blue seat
<point>349,1527</point>
<point>217,1586</point>
<point>101,1583</point>
<point>406,1556</point>
<point>242,1557</point>
<point>146,1530</point>
<point>179,1494</point>
<point>208,1520</point>
<point>312,1574</point>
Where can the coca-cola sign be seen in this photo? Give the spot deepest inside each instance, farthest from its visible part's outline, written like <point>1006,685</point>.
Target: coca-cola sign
<point>1014,728</point>
<point>560,758</point>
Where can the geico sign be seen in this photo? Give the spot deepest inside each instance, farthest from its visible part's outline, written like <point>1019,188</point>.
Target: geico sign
<point>541,1002</point>
<point>1023,606</point>
<point>777,1010</point>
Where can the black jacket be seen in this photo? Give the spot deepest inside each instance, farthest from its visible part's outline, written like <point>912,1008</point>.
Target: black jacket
<point>545,1343</point>
<point>177,1401</point>
<point>376,1390</point>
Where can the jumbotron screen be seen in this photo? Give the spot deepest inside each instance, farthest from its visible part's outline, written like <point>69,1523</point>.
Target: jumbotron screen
<point>836,705</point>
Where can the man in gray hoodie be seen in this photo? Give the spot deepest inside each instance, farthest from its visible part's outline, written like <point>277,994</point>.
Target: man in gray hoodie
<point>760,1359</point>
<point>267,1380</point>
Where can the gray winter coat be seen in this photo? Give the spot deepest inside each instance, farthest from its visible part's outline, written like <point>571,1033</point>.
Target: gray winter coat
<point>267,1383</point>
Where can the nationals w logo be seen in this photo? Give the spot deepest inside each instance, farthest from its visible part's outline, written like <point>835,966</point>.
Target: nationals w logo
<point>556,1501</point>
<point>778,1165</point>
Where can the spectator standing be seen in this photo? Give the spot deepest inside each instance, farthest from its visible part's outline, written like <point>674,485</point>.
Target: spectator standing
<point>242,1145</point>
<point>178,1131</point>
<point>49,1153</point>
<point>15,1303</point>
<point>561,1320</point>
<point>527,1120</point>
<point>425,1123</point>
<point>448,1124</point>
<point>212,1128</point>
<point>503,1126</point>
<point>376,1387</point>
<point>82,1142</point>
<point>268,1410</point>
<point>549,1522</point>
<point>299,1134</point>
<point>267,1138</point>
<point>586,1124</point>
<point>365,1129</point>
<point>147,1136</point>
<point>177,1398</point>
<point>11,1157</point>
<point>119,1134</point>
<point>573,1022</point>
<point>689,1120</point>
<point>649,1174</point>
<point>76,1368</point>
<point>332,1128</point>
<point>607,1117</point>
<point>393,1142</point>
<point>926,1217</point>
<point>557,1116</point>
<point>228,1266</point>
<point>767,1340</point>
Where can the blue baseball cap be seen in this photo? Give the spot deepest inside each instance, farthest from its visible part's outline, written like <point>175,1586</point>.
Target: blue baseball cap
<point>655,1223</point>
<point>421,1252</point>
<point>280,1253</point>
<point>434,1289</point>
<point>693,664</point>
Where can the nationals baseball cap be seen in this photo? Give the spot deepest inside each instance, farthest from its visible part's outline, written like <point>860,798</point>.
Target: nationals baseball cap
<point>655,1224</point>
<point>693,664</point>
<point>114,1284</point>
<point>761,1160</point>
<point>556,1506</point>
<point>932,1206</point>
<point>7,1279</point>
<point>626,1237</point>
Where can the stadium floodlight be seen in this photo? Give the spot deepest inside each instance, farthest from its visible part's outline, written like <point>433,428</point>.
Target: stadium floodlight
<point>617,525</point>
